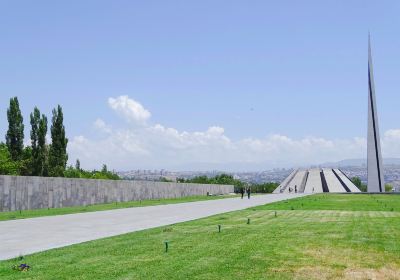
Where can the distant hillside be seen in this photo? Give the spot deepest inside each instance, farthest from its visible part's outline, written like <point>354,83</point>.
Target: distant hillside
<point>360,162</point>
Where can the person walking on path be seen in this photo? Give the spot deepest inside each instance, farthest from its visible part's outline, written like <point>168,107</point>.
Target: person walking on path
<point>242,191</point>
<point>248,192</point>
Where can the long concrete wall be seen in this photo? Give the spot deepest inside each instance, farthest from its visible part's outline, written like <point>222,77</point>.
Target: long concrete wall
<point>22,193</point>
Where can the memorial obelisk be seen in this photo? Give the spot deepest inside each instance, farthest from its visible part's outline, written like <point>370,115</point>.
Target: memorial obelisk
<point>375,169</point>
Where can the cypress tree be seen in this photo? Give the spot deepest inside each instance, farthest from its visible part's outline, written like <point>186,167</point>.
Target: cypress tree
<point>38,140</point>
<point>15,132</point>
<point>58,156</point>
<point>35,119</point>
<point>78,165</point>
<point>104,169</point>
<point>43,150</point>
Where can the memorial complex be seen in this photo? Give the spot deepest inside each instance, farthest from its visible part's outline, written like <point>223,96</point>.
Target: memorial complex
<point>317,180</point>
<point>334,180</point>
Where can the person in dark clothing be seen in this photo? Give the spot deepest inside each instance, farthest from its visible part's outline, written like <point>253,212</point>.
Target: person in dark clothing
<point>295,189</point>
<point>242,191</point>
<point>248,193</point>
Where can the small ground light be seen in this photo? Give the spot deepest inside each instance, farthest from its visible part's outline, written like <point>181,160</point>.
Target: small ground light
<point>166,246</point>
<point>219,228</point>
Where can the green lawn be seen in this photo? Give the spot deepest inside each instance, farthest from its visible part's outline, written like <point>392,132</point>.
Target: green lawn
<point>348,202</point>
<point>4,216</point>
<point>323,237</point>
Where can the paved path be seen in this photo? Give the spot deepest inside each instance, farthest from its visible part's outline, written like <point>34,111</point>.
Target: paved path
<point>22,237</point>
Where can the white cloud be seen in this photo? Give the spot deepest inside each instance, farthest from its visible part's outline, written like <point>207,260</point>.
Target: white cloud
<point>102,126</point>
<point>391,143</point>
<point>156,146</point>
<point>392,134</point>
<point>130,109</point>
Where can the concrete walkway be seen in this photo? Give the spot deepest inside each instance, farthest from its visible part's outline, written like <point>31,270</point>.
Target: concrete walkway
<point>22,237</point>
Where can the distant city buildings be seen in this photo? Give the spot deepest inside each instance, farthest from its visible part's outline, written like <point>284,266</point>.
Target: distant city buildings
<point>391,173</point>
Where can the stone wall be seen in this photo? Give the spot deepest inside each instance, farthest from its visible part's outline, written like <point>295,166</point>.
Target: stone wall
<point>22,193</point>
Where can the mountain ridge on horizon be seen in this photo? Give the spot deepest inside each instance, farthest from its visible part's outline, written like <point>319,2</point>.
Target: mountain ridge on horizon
<point>358,162</point>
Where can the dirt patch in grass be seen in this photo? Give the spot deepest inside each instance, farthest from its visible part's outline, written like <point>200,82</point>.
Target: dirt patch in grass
<point>349,263</point>
<point>384,273</point>
<point>345,257</point>
<point>315,272</point>
<point>319,272</point>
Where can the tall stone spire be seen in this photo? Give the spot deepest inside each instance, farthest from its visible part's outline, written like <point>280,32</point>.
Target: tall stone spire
<point>375,169</point>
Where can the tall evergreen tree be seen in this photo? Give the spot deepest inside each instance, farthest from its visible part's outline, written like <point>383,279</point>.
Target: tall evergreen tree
<point>35,119</point>
<point>38,140</point>
<point>78,164</point>
<point>43,148</point>
<point>15,133</point>
<point>58,156</point>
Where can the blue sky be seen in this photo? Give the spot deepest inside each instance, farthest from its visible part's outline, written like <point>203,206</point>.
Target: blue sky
<point>256,69</point>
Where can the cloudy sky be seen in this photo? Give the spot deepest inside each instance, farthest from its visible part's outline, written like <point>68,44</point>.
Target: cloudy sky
<point>245,85</point>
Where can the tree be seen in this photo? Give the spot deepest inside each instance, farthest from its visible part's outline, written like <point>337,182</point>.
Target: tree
<point>15,132</point>
<point>78,172</point>
<point>226,179</point>
<point>58,156</point>
<point>223,179</point>
<point>43,148</point>
<point>38,143</point>
<point>25,163</point>
<point>264,187</point>
<point>71,172</point>
<point>35,119</point>
<point>7,165</point>
<point>165,180</point>
<point>388,187</point>
<point>357,181</point>
<point>78,165</point>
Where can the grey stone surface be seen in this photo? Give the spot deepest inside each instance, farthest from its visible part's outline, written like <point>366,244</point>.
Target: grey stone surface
<point>22,237</point>
<point>375,171</point>
<point>309,181</point>
<point>334,184</point>
<point>282,187</point>
<point>297,181</point>
<point>314,183</point>
<point>23,193</point>
<point>346,180</point>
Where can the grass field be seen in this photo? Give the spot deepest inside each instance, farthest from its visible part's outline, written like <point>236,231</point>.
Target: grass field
<point>323,237</point>
<point>342,202</point>
<point>4,216</point>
